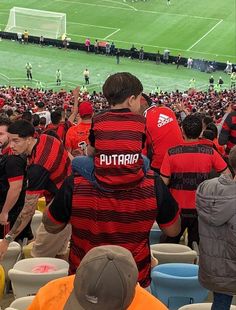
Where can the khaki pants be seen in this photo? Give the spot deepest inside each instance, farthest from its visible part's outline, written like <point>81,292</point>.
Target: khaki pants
<point>51,245</point>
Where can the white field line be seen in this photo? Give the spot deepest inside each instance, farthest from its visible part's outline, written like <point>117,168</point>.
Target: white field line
<point>4,76</point>
<point>219,22</point>
<point>129,9</point>
<point>117,30</point>
<point>91,25</point>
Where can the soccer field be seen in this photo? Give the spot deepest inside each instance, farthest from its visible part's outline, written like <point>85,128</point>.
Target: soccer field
<point>204,29</point>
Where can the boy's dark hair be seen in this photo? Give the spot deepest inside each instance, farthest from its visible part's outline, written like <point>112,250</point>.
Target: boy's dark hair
<point>4,121</point>
<point>56,117</point>
<point>27,116</point>
<point>213,128</point>
<point>120,86</point>
<point>22,128</point>
<point>208,134</point>
<point>36,120</point>
<point>192,126</point>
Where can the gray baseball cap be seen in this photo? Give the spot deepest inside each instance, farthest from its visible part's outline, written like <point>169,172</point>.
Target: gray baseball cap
<point>105,279</point>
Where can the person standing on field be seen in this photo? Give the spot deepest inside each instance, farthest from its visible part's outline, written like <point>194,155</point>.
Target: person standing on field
<point>86,76</point>
<point>26,37</point>
<point>28,68</point>
<point>58,76</point>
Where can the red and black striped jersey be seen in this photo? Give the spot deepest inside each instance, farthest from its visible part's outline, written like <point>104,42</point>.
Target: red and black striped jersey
<point>49,165</point>
<point>187,165</point>
<point>60,129</point>
<point>228,132</point>
<point>118,136</point>
<point>122,218</point>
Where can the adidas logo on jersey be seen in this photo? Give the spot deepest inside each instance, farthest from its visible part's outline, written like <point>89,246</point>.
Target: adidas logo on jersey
<point>163,120</point>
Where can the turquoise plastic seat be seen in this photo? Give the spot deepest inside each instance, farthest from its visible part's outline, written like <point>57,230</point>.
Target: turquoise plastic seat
<point>177,284</point>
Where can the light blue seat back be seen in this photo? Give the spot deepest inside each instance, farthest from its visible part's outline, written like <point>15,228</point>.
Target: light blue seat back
<point>177,284</point>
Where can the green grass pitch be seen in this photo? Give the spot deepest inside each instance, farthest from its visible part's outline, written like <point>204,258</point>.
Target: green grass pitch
<point>203,29</point>
<point>197,28</point>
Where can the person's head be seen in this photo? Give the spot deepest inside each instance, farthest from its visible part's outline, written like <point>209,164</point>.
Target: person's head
<point>105,279</point>
<point>4,124</point>
<point>123,88</point>
<point>40,105</point>
<point>213,128</point>
<point>27,116</point>
<point>56,117</point>
<point>208,134</point>
<point>232,159</point>
<point>85,110</point>
<point>42,121</point>
<point>192,126</point>
<point>35,120</point>
<point>21,135</point>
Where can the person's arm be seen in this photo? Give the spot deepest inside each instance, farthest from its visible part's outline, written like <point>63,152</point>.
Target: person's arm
<point>173,229</point>
<point>168,217</point>
<point>74,113</point>
<point>219,164</point>
<point>165,171</point>
<point>15,170</point>
<point>183,111</point>
<point>166,180</point>
<point>225,131</point>
<point>148,147</point>
<point>38,178</point>
<point>13,194</point>
<point>58,213</point>
<point>90,150</point>
<point>220,125</point>
<point>21,222</point>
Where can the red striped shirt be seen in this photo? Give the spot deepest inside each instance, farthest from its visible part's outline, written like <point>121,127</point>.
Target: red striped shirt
<point>50,154</point>
<point>187,165</point>
<point>118,139</point>
<point>122,218</point>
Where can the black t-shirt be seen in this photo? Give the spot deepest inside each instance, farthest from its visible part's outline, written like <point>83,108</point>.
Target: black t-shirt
<point>12,168</point>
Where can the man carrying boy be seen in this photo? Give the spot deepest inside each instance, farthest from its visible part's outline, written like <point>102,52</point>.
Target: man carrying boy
<point>118,136</point>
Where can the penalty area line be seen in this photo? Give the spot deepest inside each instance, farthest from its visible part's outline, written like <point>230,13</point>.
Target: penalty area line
<point>219,22</point>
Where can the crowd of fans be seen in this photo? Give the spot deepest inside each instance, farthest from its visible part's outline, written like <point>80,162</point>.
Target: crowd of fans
<point>16,100</point>
<point>139,161</point>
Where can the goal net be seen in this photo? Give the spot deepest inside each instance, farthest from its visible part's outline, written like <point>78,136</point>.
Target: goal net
<point>36,22</point>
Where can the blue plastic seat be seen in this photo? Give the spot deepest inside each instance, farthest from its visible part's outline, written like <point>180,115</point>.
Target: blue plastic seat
<point>177,284</point>
<point>155,235</point>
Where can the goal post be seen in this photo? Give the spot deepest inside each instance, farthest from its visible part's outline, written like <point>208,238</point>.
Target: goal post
<point>36,22</point>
